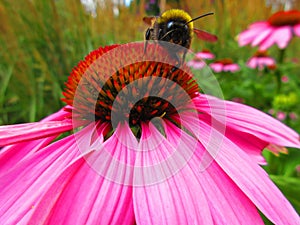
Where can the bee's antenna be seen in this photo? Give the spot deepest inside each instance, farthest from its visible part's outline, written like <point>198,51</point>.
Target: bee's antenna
<point>206,14</point>
<point>166,34</point>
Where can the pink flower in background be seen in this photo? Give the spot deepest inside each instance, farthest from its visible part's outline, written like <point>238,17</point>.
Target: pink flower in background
<point>271,111</point>
<point>298,170</point>
<point>281,115</point>
<point>141,162</point>
<point>284,79</point>
<point>198,61</point>
<point>238,100</point>
<point>293,116</point>
<point>260,60</point>
<point>224,65</point>
<point>205,54</point>
<point>278,29</point>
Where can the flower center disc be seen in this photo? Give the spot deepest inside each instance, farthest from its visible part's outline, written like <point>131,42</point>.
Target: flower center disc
<point>283,18</point>
<point>224,61</point>
<point>123,83</point>
<point>261,54</point>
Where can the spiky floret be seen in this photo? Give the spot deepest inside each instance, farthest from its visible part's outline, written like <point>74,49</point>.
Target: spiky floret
<point>283,18</point>
<point>117,81</point>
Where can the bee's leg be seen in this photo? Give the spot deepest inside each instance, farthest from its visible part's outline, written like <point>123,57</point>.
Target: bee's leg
<point>145,47</point>
<point>180,61</point>
<point>147,37</point>
<point>183,56</point>
<point>176,57</point>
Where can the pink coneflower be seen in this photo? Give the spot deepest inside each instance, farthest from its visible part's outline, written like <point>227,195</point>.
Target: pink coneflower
<point>298,170</point>
<point>293,116</point>
<point>278,29</point>
<point>238,100</point>
<point>271,111</point>
<point>145,147</point>
<point>205,54</point>
<point>260,60</point>
<point>198,61</point>
<point>285,79</point>
<point>224,65</point>
<point>281,115</point>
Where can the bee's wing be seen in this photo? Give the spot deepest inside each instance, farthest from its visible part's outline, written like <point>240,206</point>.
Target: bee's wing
<point>148,20</point>
<point>201,34</point>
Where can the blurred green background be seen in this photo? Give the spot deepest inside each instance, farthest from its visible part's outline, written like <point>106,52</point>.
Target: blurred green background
<point>42,40</point>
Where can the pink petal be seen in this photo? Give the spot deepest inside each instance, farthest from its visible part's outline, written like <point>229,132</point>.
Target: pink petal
<point>196,64</point>
<point>216,67</point>
<point>259,24</point>
<point>231,68</point>
<point>268,61</point>
<point>252,62</point>
<point>260,62</point>
<point>267,43</point>
<point>180,199</point>
<point>281,36</point>
<point>297,30</point>
<point>104,195</point>
<point>62,114</point>
<point>253,181</point>
<point>176,200</point>
<point>199,65</point>
<point>262,36</point>
<point>247,175</point>
<point>227,203</point>
<point>154,166</point>
<point>114,159</point>
<point>13,154</point>
<point>247,36</point>
<point>248,143</point>
<point>81,196</point>
<point>205,55</point>
<point>191,63</point>
<point>23,185</point>
<point>11,134</point>
<point>230,205</point>
<point>249,120</point>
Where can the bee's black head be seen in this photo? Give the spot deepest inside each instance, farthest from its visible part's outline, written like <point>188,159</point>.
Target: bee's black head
<point>175,31</point>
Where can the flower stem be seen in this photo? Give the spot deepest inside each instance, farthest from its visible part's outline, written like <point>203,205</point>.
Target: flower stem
<point>278,72</point>
<point>278,80</point>
<point>281,55</point>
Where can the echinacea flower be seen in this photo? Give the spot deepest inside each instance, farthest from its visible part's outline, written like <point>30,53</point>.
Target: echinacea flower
<point>260,60</point>
<point>298,170</point>
<point>205,54</point>
<point>278,29</point>
<point>224,65</point>
<point>285,79</point>
<point>145,147</point>
<point>238,100</point>
<point>198,61</point>
<point>281,115</point>
<point>293,116</point>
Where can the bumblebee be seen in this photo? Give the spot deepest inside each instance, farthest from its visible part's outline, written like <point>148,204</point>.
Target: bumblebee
<point>175,26</point>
